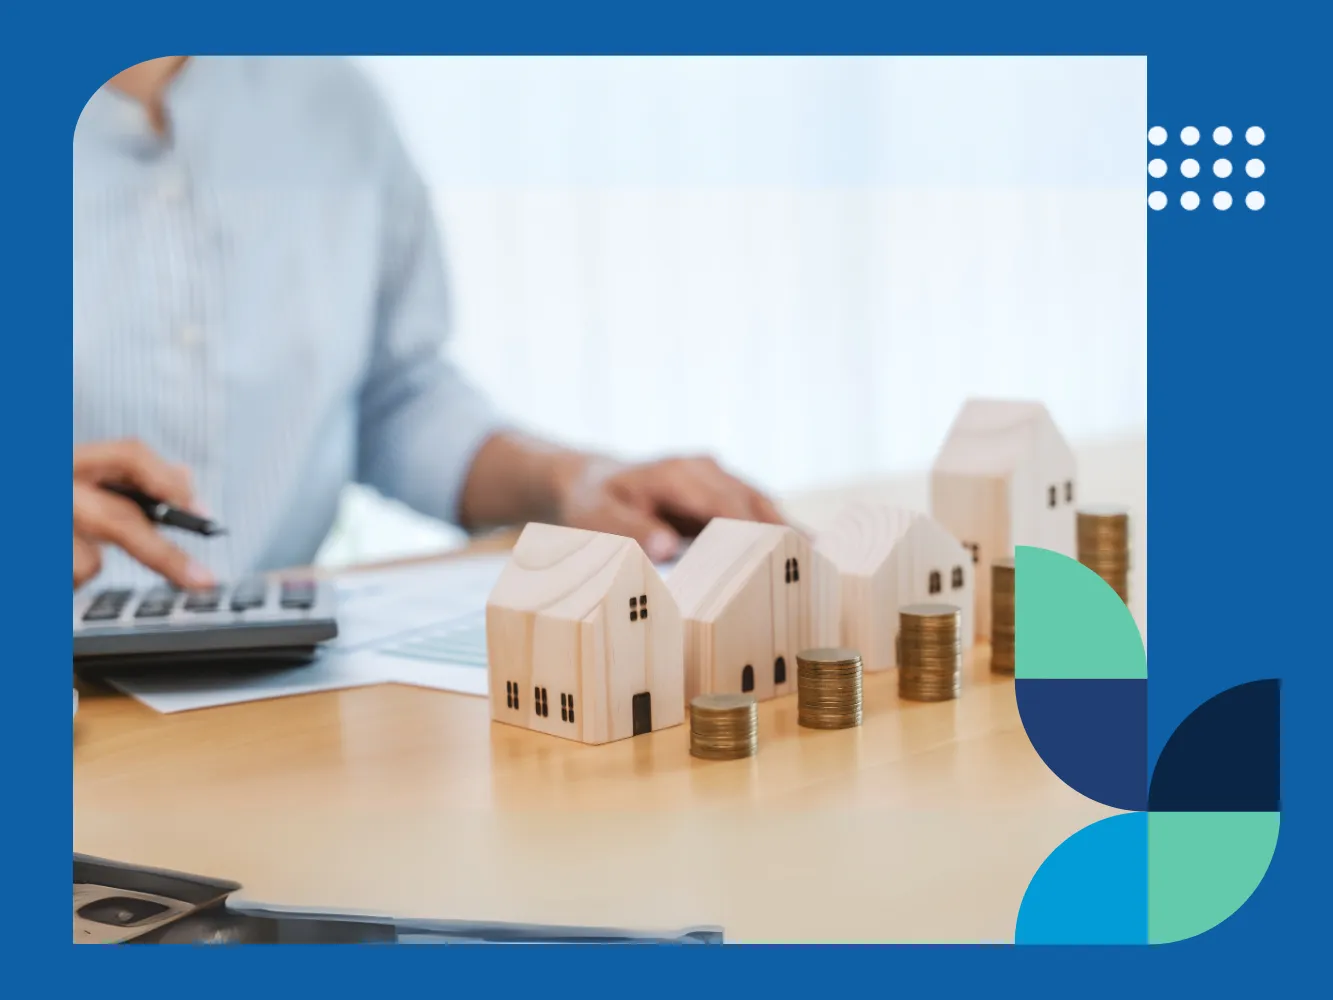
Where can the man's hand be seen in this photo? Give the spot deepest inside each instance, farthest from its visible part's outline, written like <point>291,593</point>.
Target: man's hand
<point>101,517</point>
<point>514,479</point>
<point>659,502</point>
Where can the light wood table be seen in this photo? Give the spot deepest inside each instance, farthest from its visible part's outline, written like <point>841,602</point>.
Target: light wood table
<point>925,824</point>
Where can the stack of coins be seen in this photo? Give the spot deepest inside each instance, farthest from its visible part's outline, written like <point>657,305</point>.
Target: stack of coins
<point>1103,545</point>
<point>724,726</point>
<point>828,688</point>
<point>1002,616</point>
<point>930,652</point>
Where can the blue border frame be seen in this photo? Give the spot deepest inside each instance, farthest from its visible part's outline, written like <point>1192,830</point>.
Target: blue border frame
<point>1235,355</point>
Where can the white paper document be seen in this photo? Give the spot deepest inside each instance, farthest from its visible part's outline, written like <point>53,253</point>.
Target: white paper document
<point>378,606</point>
<point>167,693</point>
<point>423,625</point>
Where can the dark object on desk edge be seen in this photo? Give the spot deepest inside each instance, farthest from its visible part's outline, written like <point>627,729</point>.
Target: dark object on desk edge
<point>163,513</point>
<point>115,902</point>
<point>216,661</point>
<point>186,909</point>
<point>240,924</point>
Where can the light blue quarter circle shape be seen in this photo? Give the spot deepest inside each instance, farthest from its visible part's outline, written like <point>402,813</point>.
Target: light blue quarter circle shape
<point>1092,889</point>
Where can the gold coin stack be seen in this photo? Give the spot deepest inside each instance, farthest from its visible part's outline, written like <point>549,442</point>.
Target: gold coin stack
<point>828,688</point>
<point>1002,616</point>
<point>724,726</point>
<point>1103,545</point>
<point>930,652</point>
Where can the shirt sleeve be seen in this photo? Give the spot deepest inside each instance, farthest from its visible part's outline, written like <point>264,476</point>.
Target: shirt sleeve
<point>420,420</point>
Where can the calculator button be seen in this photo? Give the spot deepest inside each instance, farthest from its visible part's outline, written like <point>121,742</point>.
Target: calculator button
<point>105,613</point>
<point>157,602</point>
<point>107,605</point>
<point>249,594</point>
<point>203,600</point>
<point>298,594</point>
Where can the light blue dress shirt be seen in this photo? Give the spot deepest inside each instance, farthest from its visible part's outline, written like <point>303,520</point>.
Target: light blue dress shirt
<point>260,295</point>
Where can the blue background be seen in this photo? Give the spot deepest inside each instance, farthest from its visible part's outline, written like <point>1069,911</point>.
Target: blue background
<point>1237,442</point>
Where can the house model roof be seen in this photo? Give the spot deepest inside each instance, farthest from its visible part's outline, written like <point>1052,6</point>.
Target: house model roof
<point>719,562</point>
<point>864,535</point>
<point>991,437</point>
<point>562,572</point>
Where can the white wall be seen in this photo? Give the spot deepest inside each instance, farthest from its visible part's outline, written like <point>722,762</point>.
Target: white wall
<point>800,265</point>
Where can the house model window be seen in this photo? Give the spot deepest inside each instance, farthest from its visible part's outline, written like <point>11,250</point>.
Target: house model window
<point>638,607</point>
<point>780,670</point>
<point>539,695</point>
<point>1050,497</point>
<point>566,707</point>
<point>1069,491</point>
<point>957,578</point>
<point>511,694</point>
<point>793,571</point>
<point>747,679</point>
<point>935,586</point>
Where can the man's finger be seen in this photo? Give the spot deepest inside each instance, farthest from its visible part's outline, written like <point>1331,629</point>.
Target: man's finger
<point>697,490</point>
<point>102,516</point>
<point>758,506</point>
<point>87,561</point>
<point>136,464</point>
<point>763,509</point>
<point>655,537</point>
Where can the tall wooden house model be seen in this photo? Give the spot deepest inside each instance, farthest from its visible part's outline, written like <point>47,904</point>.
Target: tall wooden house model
<point>1005,476</point>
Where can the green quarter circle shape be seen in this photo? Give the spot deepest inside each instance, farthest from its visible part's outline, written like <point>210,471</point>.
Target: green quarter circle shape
<point>1069,624</point>
<point>1202,867</point>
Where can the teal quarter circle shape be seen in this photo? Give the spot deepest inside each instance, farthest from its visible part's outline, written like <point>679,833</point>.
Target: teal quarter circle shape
<point>1203,866</point>
<point>1069,624</point>
<point>1092,889</point>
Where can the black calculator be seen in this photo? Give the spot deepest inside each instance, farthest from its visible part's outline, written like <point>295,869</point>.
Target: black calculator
<point>255,622</point>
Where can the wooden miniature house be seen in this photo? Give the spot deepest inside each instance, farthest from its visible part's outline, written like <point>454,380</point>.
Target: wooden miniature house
<point>1004,477</point>
<point>752,596</point>
<point>887,557</point>
<point>583,638</point>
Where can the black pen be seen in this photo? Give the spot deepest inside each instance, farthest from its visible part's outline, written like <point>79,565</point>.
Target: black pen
<point>161,512</point>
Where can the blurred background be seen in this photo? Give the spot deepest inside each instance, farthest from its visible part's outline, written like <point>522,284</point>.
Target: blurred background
<point>801,266</point>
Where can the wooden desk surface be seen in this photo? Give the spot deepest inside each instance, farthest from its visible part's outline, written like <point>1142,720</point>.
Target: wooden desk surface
<point>925,824</point>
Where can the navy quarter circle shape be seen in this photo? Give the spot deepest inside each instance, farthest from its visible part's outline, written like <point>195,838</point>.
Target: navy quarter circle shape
<point>1092,733</point>
<point>1225,756</point>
